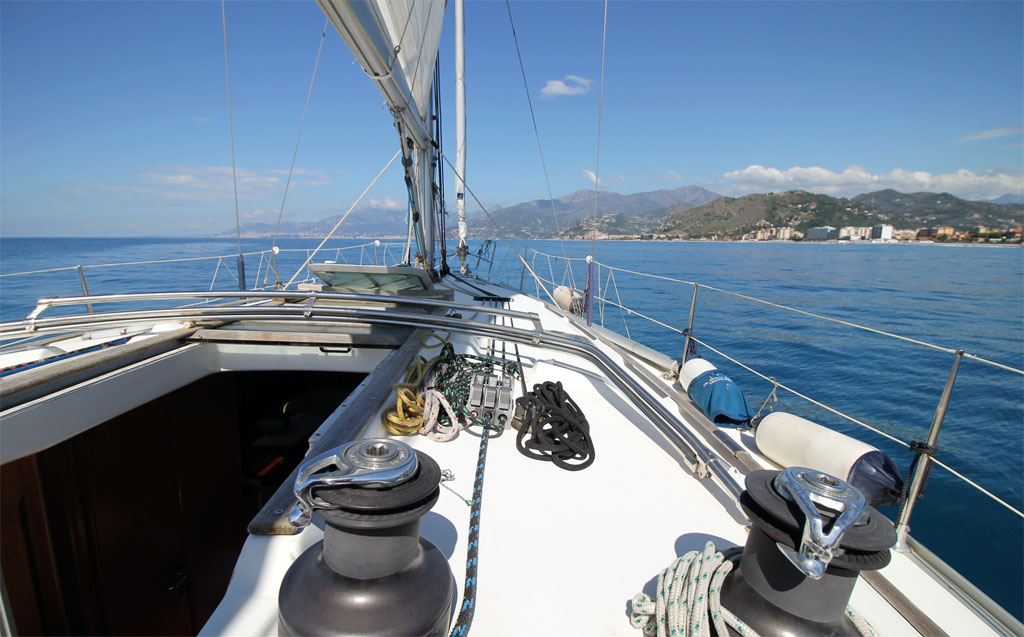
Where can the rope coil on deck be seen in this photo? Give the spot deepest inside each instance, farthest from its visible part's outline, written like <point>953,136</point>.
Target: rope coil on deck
<point>553,428</point>
<point>688,599</point>
<point>406,417</point>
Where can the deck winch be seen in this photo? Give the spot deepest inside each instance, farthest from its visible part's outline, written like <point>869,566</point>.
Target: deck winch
<point>812,534</point>
<point>372,574</point>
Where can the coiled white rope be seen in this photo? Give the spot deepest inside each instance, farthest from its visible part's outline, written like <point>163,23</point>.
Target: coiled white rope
<point>689,599</point>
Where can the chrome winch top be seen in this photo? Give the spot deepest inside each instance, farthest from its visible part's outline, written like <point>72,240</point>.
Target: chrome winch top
<point>809,489</point>
<point>375,462</point>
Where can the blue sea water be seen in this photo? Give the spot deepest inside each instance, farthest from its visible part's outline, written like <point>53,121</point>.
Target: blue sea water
<point>969,297</point>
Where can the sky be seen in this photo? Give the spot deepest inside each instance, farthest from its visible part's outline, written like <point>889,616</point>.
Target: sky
<point>114,115</point>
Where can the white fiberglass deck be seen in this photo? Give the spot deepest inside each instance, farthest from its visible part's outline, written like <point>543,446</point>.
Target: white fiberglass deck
<point>562,553</point>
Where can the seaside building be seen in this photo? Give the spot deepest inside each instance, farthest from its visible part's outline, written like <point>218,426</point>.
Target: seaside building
<point>770,234</point>
<point>945,231</point>
<point>854,233</point>
<point>822,233</point>
<point>904,235</point>
<point>882,231</point>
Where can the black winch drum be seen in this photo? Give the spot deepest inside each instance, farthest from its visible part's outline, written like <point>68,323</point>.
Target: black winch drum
<point>372,574</point>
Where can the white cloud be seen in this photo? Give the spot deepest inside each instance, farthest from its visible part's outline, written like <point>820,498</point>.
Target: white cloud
<point>387,203</point>
<point>207,183</point>
<point>570,85</point>
<point>989,134</point>
<point>173,179</point>
<point>592,178</point>
<point>855,180</point>
<point>295,171</point>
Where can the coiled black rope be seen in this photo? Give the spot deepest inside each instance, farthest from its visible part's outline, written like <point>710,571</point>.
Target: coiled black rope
<point>465,618</point>
<point>553,428</point>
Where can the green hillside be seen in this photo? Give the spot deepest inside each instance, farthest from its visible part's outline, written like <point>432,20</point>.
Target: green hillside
<point>730,216</point>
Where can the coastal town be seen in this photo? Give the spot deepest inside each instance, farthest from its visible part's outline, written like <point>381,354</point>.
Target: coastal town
<point>885,233</point>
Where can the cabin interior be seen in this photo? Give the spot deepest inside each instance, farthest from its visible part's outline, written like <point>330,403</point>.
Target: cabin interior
<point>134,525</point>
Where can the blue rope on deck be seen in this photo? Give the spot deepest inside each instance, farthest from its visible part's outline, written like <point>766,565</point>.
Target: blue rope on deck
<point>465,618</point>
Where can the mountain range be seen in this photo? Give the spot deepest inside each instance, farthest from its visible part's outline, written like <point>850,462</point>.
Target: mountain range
<point>536,220</point>
<point>369,223</point>
<point>688,211</point>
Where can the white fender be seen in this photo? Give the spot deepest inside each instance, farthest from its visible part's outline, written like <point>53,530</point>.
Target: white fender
<point>692,369</point>
<point>567,298</point>
<point>792,441</point>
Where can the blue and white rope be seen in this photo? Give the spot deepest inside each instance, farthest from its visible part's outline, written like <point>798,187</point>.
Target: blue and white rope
<point>465,618</point>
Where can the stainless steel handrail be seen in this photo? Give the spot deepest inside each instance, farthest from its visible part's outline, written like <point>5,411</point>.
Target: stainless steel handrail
<point>283,295</point>
<point>698,458</point>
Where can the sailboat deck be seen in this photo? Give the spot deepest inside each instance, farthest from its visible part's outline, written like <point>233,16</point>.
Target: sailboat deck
<point>564,552</point>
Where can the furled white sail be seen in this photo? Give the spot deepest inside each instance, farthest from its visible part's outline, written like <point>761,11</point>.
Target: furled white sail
<point>396,43</point>
<point>415,29</point>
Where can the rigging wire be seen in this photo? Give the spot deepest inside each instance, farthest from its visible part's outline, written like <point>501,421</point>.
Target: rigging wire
<point>231,129</point>
<point>536,134</point>
<point>497,228</point>
<point>940,348</point>
<point>343,217</point>
<point>600,107</point>
<point>295,154</point>
<point>439,142</point>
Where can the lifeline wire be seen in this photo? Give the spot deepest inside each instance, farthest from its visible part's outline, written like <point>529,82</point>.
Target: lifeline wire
<point>862,424</point>
<point>754,299</point>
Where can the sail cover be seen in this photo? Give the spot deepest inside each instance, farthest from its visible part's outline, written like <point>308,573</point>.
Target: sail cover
<point>396,43</point>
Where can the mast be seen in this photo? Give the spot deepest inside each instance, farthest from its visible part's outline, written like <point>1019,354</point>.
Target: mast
<point>460,130</point>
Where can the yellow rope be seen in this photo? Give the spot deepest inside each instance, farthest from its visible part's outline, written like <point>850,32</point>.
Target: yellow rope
<point>406,417</point>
